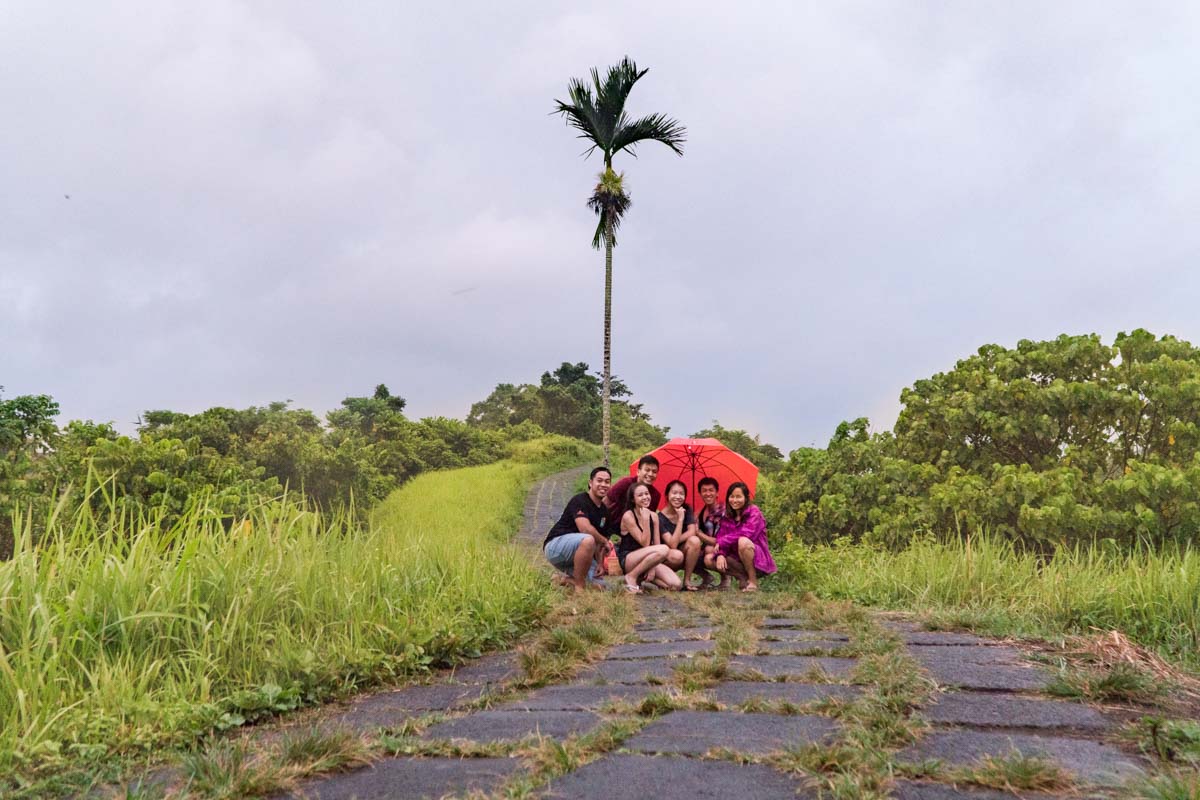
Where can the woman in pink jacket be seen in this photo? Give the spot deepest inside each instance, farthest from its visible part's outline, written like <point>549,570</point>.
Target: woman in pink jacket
<point>742,540</point>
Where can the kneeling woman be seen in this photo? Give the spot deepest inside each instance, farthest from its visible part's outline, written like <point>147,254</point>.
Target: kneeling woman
<point>640,550</point>
<point>742,540</point>
<point>678,529</point>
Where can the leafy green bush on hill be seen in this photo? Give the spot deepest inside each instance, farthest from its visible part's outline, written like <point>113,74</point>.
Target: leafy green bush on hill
<point>1048,444</point>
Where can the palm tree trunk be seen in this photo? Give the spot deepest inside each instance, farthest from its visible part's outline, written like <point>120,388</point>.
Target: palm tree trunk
<point>606,396</point>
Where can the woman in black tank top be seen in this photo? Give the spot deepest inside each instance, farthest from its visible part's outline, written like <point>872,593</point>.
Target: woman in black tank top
<point>640,549</point>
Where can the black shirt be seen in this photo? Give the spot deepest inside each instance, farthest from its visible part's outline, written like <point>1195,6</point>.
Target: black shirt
<point>580,505</point>
<point>668,528</point>
<point>627,544</point>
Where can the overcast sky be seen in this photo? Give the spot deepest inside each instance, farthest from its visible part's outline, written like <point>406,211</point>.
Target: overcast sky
<point>275,202</point>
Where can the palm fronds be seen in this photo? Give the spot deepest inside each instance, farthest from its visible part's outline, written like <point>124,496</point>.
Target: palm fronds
<point>597,111</point>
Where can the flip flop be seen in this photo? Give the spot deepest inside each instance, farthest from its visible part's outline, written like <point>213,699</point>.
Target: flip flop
<point>690,588</point>
<point>633,589</point>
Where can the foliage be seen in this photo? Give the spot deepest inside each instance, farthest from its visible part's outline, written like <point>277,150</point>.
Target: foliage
<point>120,635</point>
<point>27,433</point>
<point>1049,443</point>
<point>598,113</point>
<point>767,457</point>
<point>232,460</point>
<point>568,402</point>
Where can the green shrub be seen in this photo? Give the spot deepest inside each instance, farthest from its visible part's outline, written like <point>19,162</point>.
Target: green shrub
<point>1051,443</point>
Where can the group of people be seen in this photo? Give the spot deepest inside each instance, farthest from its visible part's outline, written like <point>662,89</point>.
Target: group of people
<point>721,541</point>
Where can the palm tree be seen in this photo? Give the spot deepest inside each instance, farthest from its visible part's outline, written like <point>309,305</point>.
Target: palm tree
<point>597,111</point>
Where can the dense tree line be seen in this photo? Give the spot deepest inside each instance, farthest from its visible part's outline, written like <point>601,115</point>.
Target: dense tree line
<point>1049,443</point>
<point>236,458</point>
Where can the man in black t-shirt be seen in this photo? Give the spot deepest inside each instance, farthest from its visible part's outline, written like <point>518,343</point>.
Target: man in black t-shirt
<point>576,544</point>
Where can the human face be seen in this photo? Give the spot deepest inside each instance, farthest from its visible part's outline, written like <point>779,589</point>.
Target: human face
<point>737,500</point>
<point>708,493</point>
<point>600,484</point>
<point>676,496</point>
<point>647,474</point>
<point>641,497</point>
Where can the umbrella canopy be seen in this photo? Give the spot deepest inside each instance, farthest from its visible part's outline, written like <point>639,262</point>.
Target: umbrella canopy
<point>689,460</point>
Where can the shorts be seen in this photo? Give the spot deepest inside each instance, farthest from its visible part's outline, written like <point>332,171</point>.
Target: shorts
<point>560,552</point>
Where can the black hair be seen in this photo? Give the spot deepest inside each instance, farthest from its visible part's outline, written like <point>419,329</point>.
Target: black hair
<point>597,470</point>
<point>708,481</point>
<point>644,460</point>
<point>682,485</point>
<point>746,491</point>
<point>633,487</point>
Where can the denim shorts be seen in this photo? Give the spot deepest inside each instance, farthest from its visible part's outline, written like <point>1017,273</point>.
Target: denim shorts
<point>560,552</point>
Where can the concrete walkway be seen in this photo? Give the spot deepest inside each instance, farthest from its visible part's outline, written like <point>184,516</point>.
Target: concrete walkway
<point>987,700</point>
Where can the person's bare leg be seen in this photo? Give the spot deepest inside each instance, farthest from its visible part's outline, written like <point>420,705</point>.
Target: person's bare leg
<point>746,555</point>
<point>640,562</point>
<point>691,554</point>
<point>584,557</point>
<point>710,561</point>
<point>665,578</point>
<point>674,558</point>
<point>735,570</point>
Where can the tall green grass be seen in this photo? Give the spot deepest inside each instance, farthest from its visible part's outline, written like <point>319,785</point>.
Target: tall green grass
<point>1151,595</point>
<point>117,636</point>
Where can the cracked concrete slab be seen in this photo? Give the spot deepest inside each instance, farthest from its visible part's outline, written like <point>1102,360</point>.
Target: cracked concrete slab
<point>503,726</point>
<point>696,732</point>
<point>971,654</point>
<point>638,777</point>
<point>1087,760</point>
<point>808,646</point>
<point>794,667</point>
<point>1001,711</point>
<point>788,622</point>
<point>675,634</point>
<point>642,670</point>
<point>496,668</point>
<point>945,638</point>
<point>660,650</point>
<point>577,697</point>
<point>732,693</point>
<point>392,708</point>
<point>799,634</point>
<point>411,778</point>
<point>978,676</point>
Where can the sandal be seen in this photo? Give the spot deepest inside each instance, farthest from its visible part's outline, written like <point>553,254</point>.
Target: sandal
<point>633,589</point>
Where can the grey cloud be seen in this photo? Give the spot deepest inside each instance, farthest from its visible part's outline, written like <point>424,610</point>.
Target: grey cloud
<point>277,201</point>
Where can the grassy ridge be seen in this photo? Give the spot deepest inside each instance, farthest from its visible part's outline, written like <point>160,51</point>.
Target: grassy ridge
<point>1151,595</point>
<point>117,637</point>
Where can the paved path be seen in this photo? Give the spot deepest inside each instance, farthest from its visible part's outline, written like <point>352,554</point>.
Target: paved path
<point>782,692</point>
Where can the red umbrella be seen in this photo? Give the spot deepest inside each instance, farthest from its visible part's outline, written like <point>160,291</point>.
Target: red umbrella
<point>689,460</point>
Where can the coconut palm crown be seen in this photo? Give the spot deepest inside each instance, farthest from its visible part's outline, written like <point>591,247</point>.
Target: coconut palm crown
<point>597,111</point>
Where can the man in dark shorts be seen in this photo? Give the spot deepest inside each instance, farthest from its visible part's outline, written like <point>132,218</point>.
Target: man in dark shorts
<point>576,544</point>
<point>617,501</point>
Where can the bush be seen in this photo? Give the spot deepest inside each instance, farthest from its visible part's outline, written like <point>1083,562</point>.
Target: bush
<point>1050,443</point>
